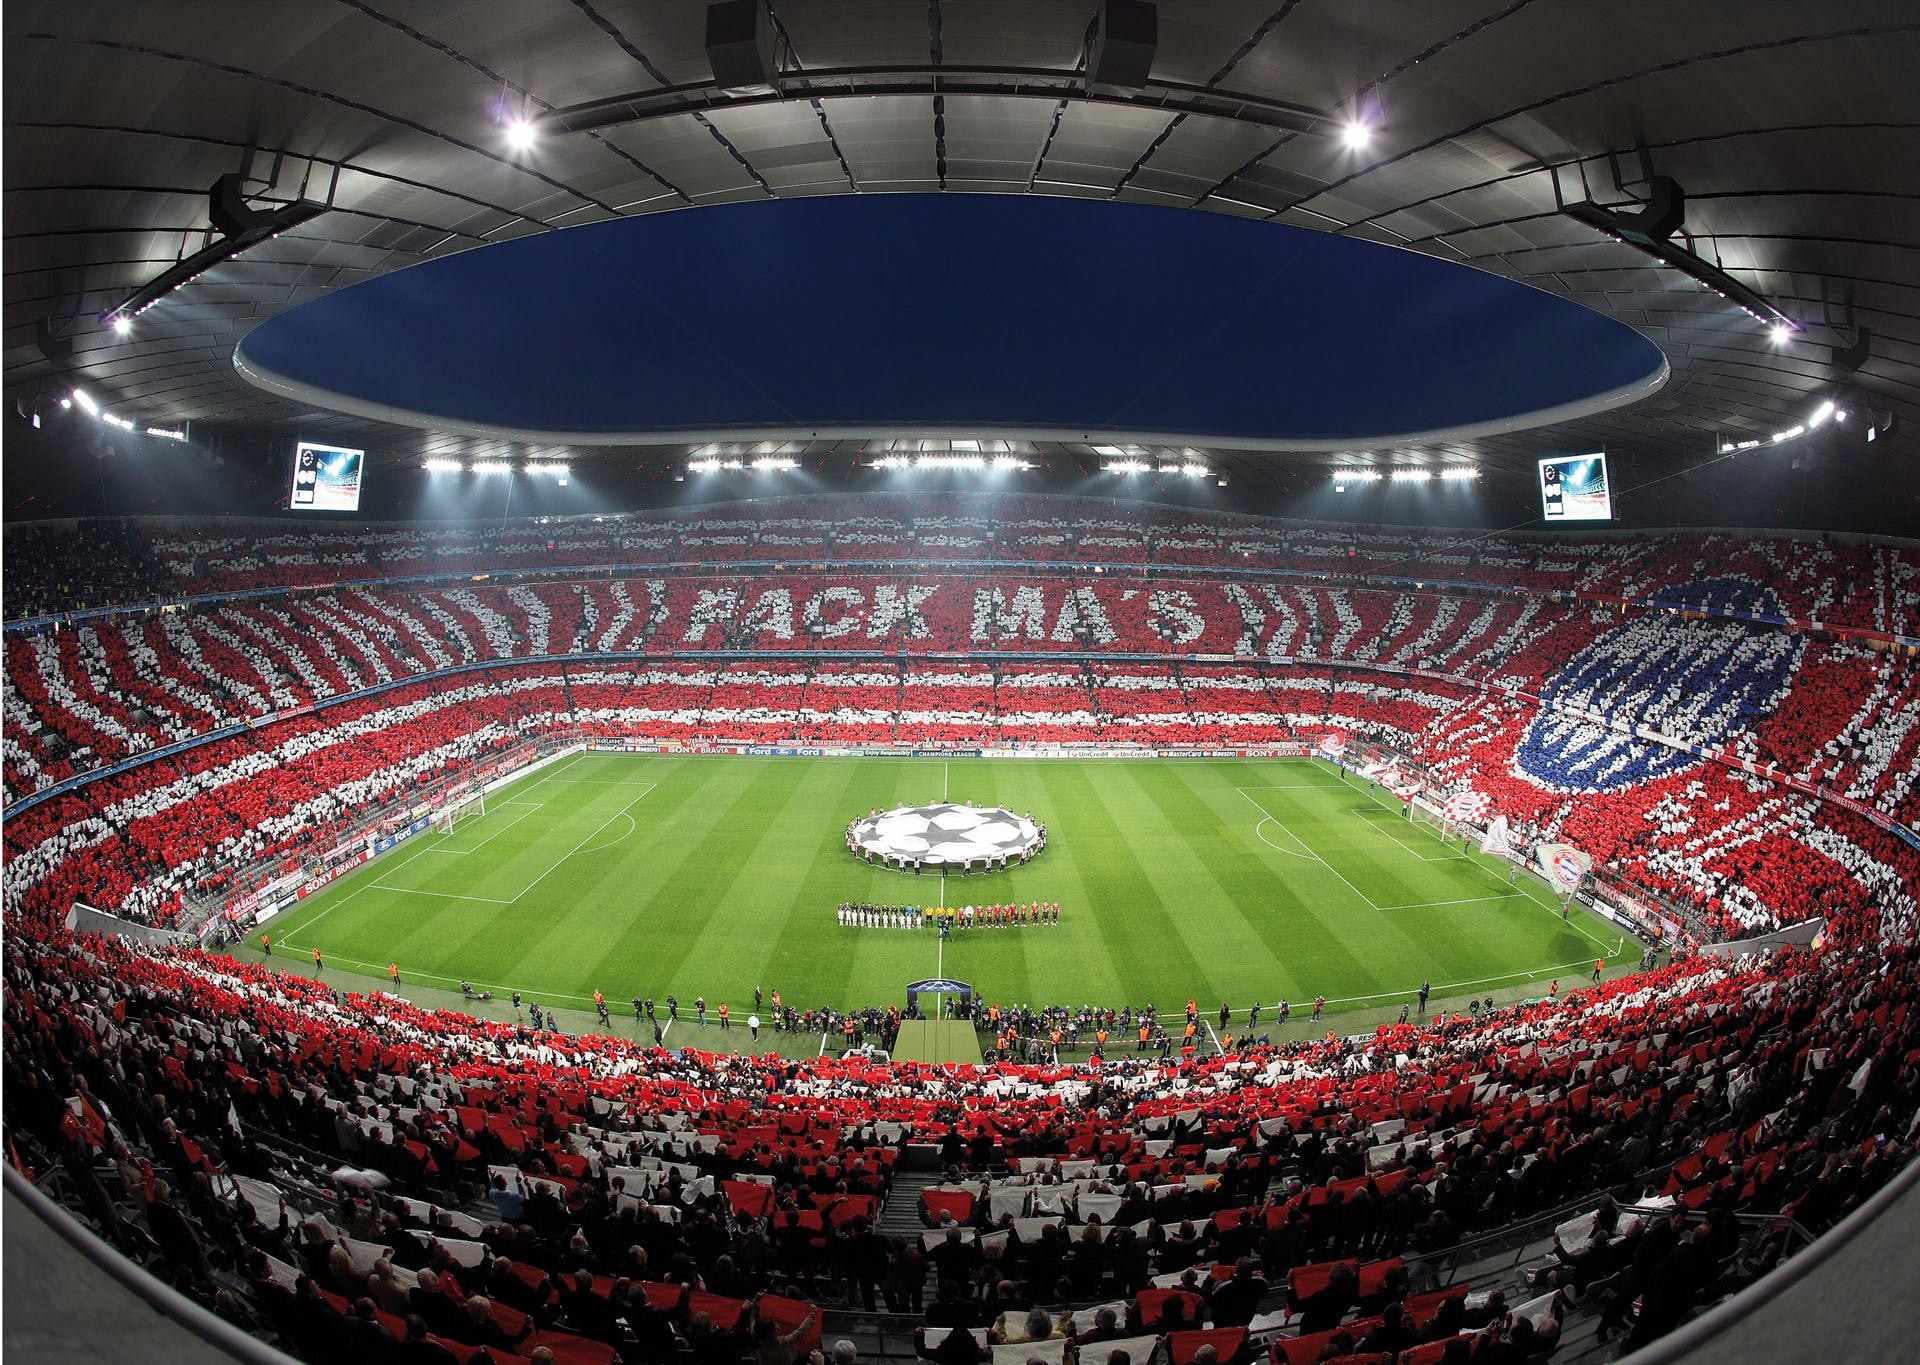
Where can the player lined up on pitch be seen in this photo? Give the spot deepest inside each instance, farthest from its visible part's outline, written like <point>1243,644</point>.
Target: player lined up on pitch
<point>947,917</point>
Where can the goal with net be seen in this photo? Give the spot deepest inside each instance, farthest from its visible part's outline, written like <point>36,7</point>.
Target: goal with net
<point>460,807</point>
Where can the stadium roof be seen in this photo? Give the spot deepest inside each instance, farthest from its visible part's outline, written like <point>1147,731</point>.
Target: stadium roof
<point>1788,128</point>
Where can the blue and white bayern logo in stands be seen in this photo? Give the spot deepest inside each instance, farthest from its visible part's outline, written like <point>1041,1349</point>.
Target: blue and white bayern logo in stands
<point>945,835</point>
<point>1703,681</point>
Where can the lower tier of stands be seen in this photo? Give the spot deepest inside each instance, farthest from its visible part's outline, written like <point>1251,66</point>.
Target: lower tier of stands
<point>344,1173</point>
<point>1748,853</point>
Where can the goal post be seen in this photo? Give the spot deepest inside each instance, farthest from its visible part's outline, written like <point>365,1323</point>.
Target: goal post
<point>459,808</point>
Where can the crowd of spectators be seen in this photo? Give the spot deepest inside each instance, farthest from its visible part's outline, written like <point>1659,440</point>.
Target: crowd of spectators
<point>1746,851</point>
<point>56,568</point>
<point>491,1193</point>
<point>352,1173</point>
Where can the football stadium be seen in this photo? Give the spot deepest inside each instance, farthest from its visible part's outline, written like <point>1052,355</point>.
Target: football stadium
<point>1099,682</point>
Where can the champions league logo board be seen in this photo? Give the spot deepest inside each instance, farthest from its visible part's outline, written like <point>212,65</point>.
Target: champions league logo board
<point>1705,680</point>
<point>945,835</point>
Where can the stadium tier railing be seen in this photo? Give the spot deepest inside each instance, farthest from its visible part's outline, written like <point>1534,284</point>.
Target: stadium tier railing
<point>220,1335</point>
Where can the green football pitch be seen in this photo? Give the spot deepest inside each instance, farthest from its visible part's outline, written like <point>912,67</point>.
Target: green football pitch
<point>1222,880</point>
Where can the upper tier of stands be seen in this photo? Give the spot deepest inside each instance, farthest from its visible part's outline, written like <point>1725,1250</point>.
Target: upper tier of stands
<point>1833,711</point>
<point>59,568</point>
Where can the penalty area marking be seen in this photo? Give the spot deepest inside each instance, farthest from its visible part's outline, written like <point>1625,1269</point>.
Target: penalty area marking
<point>1465,900</point>
<point>632,829</point>
<point>581,847</point>
<point>563,767</point>
<point>1316,855</point>
<point>1449,986</point>
<point>1576,925</point>
<point>1291,853</point>
<point>1447,857</point>
<point>600,782</point>
<point>368,886</point>
<point>531,806</point>
<point>1267,818</point>
<point>1523,889</point>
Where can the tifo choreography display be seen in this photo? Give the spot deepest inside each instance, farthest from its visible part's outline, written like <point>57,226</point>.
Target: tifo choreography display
<point>945,836</point>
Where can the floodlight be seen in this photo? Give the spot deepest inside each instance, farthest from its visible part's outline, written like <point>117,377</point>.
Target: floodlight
<point>1821,414</point>
<point>1411,475</point>
<point>122,324</point>
<point>1780,332</point>
<point>520,134</point>
<point>437,465</point>
<point>490,467</point>
<point>1356,135</point>
<point>91,408</point>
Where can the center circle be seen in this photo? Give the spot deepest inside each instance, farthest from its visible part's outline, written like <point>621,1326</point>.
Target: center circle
<point>946,836</point>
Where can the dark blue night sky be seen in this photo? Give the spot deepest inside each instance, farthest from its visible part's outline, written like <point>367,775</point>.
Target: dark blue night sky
<point>952,310</point>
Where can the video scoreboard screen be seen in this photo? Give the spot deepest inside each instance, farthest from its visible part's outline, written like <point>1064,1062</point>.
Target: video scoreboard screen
<point>1574,488</point>
<point>326,478</point>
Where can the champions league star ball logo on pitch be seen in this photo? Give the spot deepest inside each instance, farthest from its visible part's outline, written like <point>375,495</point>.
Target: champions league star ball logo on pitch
<point>945,835</point>
<point>1703,681</point>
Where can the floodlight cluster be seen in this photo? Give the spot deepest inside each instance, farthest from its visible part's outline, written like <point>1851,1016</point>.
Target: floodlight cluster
<point>440,464</point>
<point>1190,469</point>
<point>89,405</point>
<point>943,460</point>
<point>1828,411</point>
<point>1349,476</point>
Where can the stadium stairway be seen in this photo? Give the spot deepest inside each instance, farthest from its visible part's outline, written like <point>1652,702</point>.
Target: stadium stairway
<point>900,1215</point>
